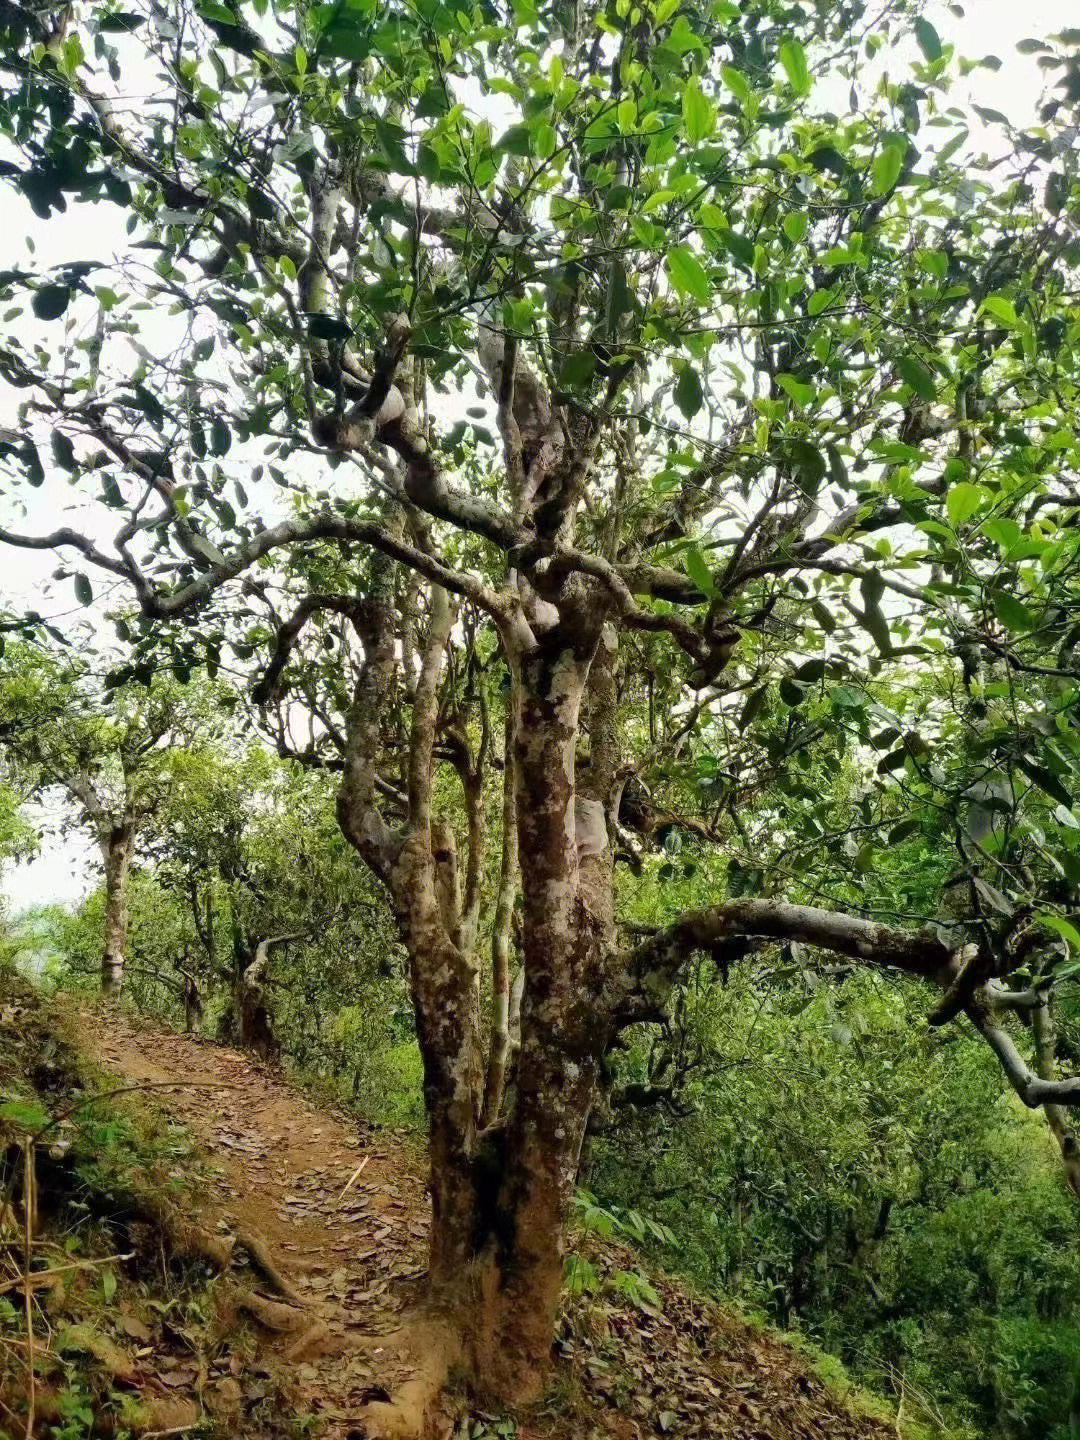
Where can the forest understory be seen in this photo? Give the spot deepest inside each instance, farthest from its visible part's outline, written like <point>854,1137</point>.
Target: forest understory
<point>275,1289</point>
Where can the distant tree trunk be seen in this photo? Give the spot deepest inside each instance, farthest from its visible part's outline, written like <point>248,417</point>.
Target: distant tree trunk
<point>193,1004</point>
<point>116,853</point>
<point>254,1024</point>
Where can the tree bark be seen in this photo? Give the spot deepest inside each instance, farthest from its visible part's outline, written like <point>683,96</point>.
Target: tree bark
<point>534,1156</point>
<point>116,854</point>
<point>499,1044</point>
<point>1057,1117</point>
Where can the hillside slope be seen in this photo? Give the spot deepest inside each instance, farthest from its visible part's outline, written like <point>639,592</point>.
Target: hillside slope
<point>332,1218</point>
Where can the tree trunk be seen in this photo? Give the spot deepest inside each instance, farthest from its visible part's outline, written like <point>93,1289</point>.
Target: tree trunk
<point>502,1177</point>
<point>1057,1116</point>
<point>517,1193</point>
<point>116,853</point>
<point>254,1021</point>
<point>499,1047</point>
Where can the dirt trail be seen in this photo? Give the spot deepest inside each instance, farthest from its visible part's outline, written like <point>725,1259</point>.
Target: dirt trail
<point>342,1210</point>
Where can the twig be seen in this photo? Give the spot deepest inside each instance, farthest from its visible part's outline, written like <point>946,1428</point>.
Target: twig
<point>40,1276</point>
<point>352,1181</point>
<point>28,1231</point>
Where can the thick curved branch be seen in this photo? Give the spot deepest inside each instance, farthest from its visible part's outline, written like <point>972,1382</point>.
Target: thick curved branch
<point>1032,1089</point>
<point>290,532</point>
<point>649,970</point>
<point>646,974</point>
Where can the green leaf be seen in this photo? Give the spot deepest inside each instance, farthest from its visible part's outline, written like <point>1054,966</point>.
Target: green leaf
<point>827,157</point>
<point>578,369</point>
<point>698,570</point>
<point>120,20</point>
<point>347,41</point>
<point>84,591</point>
<point>1001,309</point>
<point>810,671</point>
<point>929,40</point>
<point>934,262</point>
<point>1046,780</point>
<point>327,327</point>
<point>793,59</point>
<point>795,226</point>
<point>210,10</point>
<point>741,246</point>
<point>893,760</point>
<point>220,437</point>
<point>686,273</point>
<point>1012,613</point>
<point>750,710</point>
<point>698,116</point>
<point>887,165</point>
<point>1061,926</point>
<point>63,451</point>
<point>1004,533</point>
<point>808,462</point>
<point>736,82</point>
<point>915,374</point>
<point>515,141</point>
<point>800,392</point>
<point>688,393</point>
<point>962,502</point>
<point>108,1285</point>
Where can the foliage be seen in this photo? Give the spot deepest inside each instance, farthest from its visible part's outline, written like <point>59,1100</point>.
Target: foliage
<point>836,1169</point>
<point>581,375</point>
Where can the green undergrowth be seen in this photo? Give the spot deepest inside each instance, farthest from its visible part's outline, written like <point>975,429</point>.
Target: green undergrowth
<point>127,1336</point>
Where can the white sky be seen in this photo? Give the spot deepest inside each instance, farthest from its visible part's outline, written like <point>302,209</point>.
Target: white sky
<point>65,870</point>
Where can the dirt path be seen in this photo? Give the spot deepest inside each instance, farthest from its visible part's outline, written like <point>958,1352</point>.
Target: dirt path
<point>342,1210</point>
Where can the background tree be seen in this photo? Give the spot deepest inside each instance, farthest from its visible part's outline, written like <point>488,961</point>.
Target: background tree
<point>111,755</point>
<point>778,397</point>
<point>250,849</point>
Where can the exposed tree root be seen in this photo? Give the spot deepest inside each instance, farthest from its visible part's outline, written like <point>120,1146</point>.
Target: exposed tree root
<point>283,1319</point>
<point>105,1351</point>
<point>259,1253</point>
<point>157,1416</point>
<point>429,1349</point>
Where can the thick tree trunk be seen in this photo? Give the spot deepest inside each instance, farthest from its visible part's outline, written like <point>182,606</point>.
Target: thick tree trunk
<point>499,1222</point>
<point>116,853</point>
<point>501,1184</point>
<point>526,1168</point>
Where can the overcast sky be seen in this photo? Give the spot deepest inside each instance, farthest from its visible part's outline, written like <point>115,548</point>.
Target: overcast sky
<point>65,869</point>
